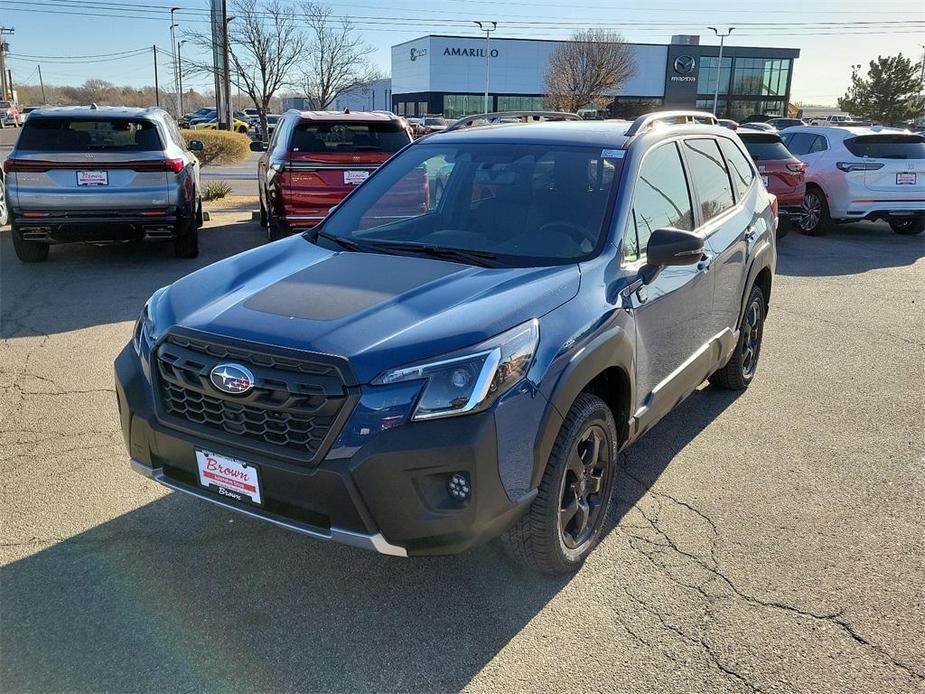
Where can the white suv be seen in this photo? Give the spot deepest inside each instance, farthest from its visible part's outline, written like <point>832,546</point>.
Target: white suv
<point>860,173</point>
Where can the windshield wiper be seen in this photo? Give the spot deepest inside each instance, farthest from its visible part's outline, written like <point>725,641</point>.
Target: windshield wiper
<point>481,258</point>
<point>346,244</point>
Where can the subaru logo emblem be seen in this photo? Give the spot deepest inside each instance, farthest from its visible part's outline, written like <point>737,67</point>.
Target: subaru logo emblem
<point>232,378</point>
<point>684,64</point>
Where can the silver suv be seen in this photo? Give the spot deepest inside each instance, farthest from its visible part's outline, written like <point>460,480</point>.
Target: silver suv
<point>102,175</point>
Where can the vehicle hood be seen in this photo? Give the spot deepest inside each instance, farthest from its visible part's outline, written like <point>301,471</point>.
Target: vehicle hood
<point>379,311</point>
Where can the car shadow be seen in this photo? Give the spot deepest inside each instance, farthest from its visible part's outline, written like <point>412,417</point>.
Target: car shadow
<point>847,249</point>
<point>85,285</point>
<point>181,595</point>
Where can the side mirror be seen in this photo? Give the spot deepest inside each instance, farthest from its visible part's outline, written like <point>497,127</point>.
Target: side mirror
<point>195,146</point>
<point>258,146</point>
<point>674,247</point>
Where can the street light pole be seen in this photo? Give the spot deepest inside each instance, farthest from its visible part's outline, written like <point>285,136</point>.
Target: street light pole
<point>157,88</point>
<point>487,27</point>
<point>173,55</point>
<point>719,67</point>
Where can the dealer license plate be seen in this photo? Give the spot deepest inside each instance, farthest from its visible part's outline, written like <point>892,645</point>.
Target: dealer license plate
<point>905,178</point>
<point>229,477</point>
<point>93,178</point>
<point>355,178</point>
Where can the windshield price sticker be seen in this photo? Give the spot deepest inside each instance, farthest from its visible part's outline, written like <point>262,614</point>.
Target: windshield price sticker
<point>612,153</point>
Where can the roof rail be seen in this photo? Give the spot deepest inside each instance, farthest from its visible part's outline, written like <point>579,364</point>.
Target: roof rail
<point>498,117</point>
<point>670,118</point>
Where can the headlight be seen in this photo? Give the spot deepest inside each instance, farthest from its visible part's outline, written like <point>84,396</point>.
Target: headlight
<point>145,329</point>
<point>472,380</point>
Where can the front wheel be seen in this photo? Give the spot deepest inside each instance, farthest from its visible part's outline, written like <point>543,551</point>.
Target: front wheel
<point>565,521</point>
<point>814,213</point>
<point>908,226</point>
<point>739,371</point>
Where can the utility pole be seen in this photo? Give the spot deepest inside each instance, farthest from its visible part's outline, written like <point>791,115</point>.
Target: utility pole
<point>173,55</point>
<point>179,78</point>
<point>226,70</point>
<point>157,89</point>
<point>5,89</point>
<point>487,27</point>
<point>719,67</point>
<point>42,85</point>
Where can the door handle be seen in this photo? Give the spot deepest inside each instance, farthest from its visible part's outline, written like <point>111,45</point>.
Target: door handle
<point>705,262</point>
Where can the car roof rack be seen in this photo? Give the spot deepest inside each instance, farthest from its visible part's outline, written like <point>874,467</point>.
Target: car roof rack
<point>650,120</point>
<point>500,117</point>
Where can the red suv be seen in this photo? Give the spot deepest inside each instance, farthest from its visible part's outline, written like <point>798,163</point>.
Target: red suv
<point>315,159</point>
<point>782,173</point>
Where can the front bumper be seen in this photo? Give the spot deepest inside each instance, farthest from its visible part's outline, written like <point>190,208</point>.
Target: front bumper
<point>388,494</point>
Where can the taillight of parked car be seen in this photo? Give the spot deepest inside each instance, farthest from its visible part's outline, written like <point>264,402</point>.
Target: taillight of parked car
<point>772,200</point>
<point>849,166</point>
<point>797,167</point>
<point>36,166</point>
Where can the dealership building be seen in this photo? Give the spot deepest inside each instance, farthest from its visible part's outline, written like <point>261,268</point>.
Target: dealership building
<point>438,74</point>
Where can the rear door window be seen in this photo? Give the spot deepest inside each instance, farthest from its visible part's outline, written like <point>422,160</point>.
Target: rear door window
<point>887,146</point>
<point>710,178</point>
<point>89,135</point>
<point>740,170</point>
<point>661,199</point>
<point>333,138</point>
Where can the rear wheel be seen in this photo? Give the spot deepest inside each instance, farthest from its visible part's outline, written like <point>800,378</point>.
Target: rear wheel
<point>742,365</point>
<point>200,217</point>
<point>4,215</point>
<point>264,221</point>
<point>814,213</point>
<point>29,251</point>
<point>565,521</point>
<point>186,243</point>
<point>783,226</point>
<point>275,229</point>
<point>908,226</point>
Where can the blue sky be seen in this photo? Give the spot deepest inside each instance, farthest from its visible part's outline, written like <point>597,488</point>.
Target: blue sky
<point>56,31</point>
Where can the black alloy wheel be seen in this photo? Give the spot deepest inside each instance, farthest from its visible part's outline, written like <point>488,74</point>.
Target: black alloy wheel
<point>582,501</point>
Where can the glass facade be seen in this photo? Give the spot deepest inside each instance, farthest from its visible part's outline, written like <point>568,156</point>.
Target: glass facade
<point>459,105</point>
<point>760,77</point>
<point>708,74</point>
<point>522,103</point>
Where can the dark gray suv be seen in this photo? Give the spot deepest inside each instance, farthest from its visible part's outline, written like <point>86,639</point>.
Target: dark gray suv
<point>102,174</point>
<point>425,371</point>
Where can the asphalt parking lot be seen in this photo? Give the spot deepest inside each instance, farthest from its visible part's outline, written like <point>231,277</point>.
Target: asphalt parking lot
<point>770,542</point>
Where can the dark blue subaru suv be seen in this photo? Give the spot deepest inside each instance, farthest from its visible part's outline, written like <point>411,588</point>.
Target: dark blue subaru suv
<point>459,351</point>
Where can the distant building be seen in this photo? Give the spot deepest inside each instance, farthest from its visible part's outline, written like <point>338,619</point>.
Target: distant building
<point>300,103</point>
<point>376,96</point>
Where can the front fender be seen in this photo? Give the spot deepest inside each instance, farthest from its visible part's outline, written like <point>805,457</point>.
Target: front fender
<point>583,360</point>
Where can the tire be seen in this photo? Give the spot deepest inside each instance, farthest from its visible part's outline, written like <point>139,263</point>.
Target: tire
<point>186,243</point>
<point>200,218</point>
<point>546,538</point>
<point>275,230</point>
<point>739,371</point>
<point>784,224</point>
<point>908,227</point>
<point>29,251</point>
<point>264,221</point>
<point>814,213</point>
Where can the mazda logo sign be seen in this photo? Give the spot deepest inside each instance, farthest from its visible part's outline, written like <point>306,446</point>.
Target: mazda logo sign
<point>684,64</point>
<point>232,378</point>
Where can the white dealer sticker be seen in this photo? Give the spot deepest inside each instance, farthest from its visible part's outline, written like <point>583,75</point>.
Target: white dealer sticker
<point>612,153</point>
<point>92,178</point>
<point>229,477</point>
<point>355,178</point>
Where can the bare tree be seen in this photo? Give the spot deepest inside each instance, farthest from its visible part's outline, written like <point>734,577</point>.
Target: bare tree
<point>265,45</point>
<point>336,60</point>
<point>588,69</point>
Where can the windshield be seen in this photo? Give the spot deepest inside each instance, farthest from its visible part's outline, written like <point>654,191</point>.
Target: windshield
<point>89,135</point>
<point>765,147</point>
<point>514,205</point>
<point>321,137</point>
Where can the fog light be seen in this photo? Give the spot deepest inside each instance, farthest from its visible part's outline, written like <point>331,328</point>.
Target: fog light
<point>458,486</point>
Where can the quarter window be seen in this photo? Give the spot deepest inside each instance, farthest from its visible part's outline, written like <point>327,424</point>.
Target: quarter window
<point>740,170</point>
<point>661,199</point>
<point>798,143</point>
<point>710,178</point>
